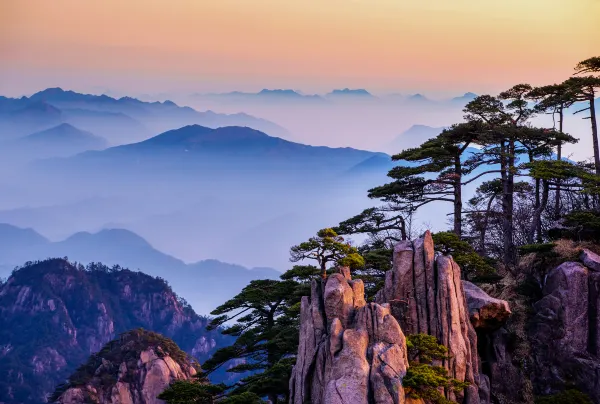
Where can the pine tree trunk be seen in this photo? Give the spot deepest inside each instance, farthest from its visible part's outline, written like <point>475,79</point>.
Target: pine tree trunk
<point>457,198</point>
<point>537,202</point>
<point>485,225</point>
<point>558,157</point>
<point>594,133</point>
<point>536,223</point>
<point>507,202</point>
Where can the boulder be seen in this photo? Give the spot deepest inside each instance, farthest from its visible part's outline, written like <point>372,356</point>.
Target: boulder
<point>590,259</point>
<point>565,331</point>
<point>485,312</point>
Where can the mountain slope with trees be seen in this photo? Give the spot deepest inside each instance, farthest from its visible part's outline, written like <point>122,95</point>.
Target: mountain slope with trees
<point>54,314</point>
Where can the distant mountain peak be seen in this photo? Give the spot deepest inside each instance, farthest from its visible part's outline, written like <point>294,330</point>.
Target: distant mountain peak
<point>127,98</point>
<point>65,132</point>
<point>466,97</point>
<point>112,236</point>
<point>419,129</point>
<point>195,134</point>
<point>347,91</point>
<point>54,93</point>
<point>281,92</point>
<point>51,90</point>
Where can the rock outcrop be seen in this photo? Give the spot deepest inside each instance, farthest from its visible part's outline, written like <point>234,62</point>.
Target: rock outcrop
<point>350,351</point>
<point>132,369</point>
<point>566,329</point>
<point>355,352</point>
<point>486,312</point>
<point>426,295</point>
<point>54,314</point>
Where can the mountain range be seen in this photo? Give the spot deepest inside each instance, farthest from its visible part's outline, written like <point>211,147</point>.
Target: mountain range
<point>233,156</point>
<point>332,97</point>
<point>192,190</point>
<point>217,280</point>
<point>118,120</point>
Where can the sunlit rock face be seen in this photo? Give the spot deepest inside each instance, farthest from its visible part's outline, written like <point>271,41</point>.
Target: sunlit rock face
<point>133,369</point>
<point>355,352</point>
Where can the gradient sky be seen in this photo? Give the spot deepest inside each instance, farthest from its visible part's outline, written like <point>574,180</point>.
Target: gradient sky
<point>430,46</point>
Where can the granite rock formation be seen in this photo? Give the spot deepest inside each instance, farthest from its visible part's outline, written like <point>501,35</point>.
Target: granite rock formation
<point>566,329</point>
<point>486,312</point>
<point>132,369</point>
<point>350,351</point>
<point>355,352</point>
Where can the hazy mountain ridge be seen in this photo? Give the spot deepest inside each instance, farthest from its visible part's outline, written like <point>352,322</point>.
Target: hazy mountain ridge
<point>338,93</point>
<point>59,141</point>
<point>119,120</point>
<point>197,151</point>
<point>413,137</point>
<point>217,280</point>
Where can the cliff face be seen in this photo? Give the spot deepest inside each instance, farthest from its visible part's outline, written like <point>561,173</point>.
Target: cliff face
<point>132,369</point>
<point>427,296</point>
<point>557,345</point>
<point>53,315</point>
<point>353,352</point>
<point>566,329</point>
<point>349,350</point>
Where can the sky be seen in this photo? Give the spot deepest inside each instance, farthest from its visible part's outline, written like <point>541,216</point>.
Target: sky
<point>427,46</point>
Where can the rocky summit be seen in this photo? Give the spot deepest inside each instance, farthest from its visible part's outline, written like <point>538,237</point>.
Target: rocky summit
<point>132,369</point>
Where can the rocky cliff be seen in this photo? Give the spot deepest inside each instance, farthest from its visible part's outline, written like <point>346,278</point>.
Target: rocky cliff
<point>551,343</point>
<point>132,369</point>
<point>566,329</point>
<point>355,352</point>
<point>349,350</point>
<point>54,314</point>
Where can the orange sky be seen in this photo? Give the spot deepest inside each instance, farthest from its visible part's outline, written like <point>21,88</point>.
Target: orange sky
<point>314,45</point>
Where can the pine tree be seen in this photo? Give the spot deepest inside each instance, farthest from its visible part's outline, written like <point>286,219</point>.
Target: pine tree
<point>327,247</point>
<point>437,173</point>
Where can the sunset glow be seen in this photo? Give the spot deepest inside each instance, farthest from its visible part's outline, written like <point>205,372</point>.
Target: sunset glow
<point>429,45</point>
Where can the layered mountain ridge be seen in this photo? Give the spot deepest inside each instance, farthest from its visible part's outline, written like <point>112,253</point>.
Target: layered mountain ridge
<point>118,120</point>
<point>218,280</point>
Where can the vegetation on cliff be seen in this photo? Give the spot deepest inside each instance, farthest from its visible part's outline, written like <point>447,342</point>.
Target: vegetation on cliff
<point>424,379</point>
<point>127,349</point>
